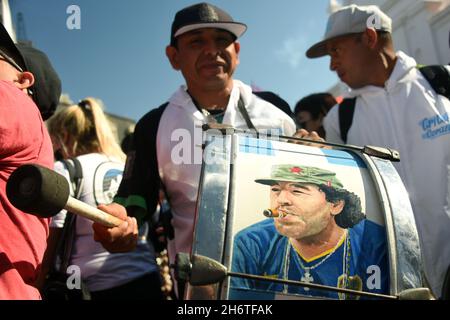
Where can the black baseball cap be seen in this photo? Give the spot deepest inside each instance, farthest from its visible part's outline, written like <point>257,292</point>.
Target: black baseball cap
<point>204,15</point>
<point>46,89</point>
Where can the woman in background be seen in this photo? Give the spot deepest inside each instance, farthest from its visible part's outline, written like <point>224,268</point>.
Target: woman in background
<point>83,132</point>
<point>311,110</point>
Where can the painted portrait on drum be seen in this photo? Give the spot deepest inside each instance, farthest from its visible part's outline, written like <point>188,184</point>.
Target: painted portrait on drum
<point>313,229</point>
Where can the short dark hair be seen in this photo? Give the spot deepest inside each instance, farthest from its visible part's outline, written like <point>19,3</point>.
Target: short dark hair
<point>385,37</point>
<point>317,104</point>
<point>384,34</point>
<point>276,100</point>
<point>351,213</point>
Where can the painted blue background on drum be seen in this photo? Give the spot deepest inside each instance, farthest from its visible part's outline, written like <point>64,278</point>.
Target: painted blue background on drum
<point>265,147</point>
<point>256,146</point>
<point>343,158</point>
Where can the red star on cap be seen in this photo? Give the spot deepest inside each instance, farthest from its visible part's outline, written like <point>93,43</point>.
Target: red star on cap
<point>296,170</point>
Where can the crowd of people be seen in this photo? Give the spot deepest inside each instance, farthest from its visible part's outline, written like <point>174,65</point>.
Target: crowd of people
<point>394,106</point>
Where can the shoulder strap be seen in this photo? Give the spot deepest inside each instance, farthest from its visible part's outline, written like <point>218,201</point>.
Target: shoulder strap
<point>64,249</point>
<point>70,168</point>
<point>244,113</point>
<point>346,111</point>
<point>153,133</point>
<point>438,77</point>
<point>276,100</point>
<point>141,175</point>
<point>73,165</point>
<point>78,177</point>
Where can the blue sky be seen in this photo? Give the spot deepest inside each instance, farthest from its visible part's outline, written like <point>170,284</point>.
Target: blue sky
<point>118,55</point>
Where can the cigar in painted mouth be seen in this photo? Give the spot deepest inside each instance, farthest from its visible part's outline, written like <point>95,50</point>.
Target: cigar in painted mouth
<point>269,213</point>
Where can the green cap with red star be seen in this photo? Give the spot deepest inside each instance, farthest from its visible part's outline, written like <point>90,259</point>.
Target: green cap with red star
<point>301,174</point>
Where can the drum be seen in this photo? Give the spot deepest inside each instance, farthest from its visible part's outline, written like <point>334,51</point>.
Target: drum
<point>292,221</point>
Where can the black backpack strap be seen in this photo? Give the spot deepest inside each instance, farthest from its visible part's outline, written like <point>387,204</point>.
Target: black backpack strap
<point>71,169</point>
<point>346,111</point>
<point>140,187</point>
<point>64,249</point>
<point>276,100</point>
<point>75,170</point>
<point>78,169</point>
<point>141,181</point>
<point>438,77</point>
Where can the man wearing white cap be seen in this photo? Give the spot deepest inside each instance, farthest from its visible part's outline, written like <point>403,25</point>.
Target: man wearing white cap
<point>395,106</point>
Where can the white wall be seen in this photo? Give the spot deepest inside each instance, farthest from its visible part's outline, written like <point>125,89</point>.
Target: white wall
<point>440,25</point>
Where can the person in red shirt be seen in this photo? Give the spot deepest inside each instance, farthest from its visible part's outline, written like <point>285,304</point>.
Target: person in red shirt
<point>23,139</point>
<point>29,93</point>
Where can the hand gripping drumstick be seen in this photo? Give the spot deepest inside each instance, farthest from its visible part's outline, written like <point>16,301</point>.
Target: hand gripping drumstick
<point>43,192</point>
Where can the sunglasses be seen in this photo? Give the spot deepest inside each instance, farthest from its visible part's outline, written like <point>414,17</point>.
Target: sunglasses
<point>10,60</point>
<point>15,65</point>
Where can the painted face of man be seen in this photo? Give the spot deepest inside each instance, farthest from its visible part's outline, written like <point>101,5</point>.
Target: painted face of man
<point>206,57</point>
<point>304,210</point>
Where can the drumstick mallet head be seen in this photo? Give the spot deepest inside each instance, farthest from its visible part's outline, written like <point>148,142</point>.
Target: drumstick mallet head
<point>37,190</point>
<point>43,192</point>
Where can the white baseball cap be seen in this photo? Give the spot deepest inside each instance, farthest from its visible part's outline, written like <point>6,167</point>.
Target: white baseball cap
<point>351,19</point>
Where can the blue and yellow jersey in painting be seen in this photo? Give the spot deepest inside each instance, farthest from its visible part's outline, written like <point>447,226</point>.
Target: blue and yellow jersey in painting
<point>358,262</point>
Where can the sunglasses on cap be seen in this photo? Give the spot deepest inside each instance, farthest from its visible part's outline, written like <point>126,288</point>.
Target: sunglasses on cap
<point>10,60</point>
<point>15,65</point>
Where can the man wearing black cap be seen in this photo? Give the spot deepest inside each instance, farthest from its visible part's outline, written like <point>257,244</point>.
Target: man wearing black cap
<point>203,47</point>
<point>28,87</point>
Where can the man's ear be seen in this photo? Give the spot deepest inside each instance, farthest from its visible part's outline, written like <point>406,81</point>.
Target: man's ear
<point>237,48</point>
<point>172,55</point>
<point>337,207</point>
<point>371,38</point>
<point>24,80</point>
